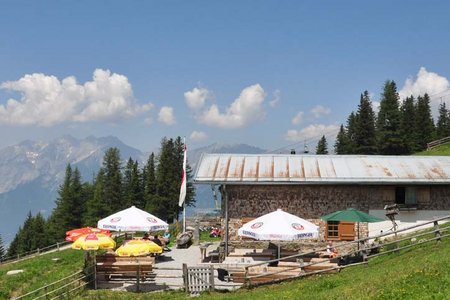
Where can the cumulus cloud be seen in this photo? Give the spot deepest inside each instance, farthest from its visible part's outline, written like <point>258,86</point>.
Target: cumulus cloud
<point>246,109</point>
<point>298,118</point>
<point>313,131</point>
<point>198,136</point>
<point>166,115</point>
<point>320,110</point>
<point>46,100</point>
<point>196,98</point>
<point>276,98</point>
<point>425,82</point>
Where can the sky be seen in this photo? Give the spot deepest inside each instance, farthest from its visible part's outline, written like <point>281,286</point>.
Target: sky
<point>271,74</point>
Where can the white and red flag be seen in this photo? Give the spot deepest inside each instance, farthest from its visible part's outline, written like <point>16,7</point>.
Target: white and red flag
<point>183,179</point>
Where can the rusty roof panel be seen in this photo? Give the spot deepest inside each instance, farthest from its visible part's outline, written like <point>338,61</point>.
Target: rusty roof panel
<point>265,172</point>
<point>280,168</point>
<point>295,168</point>
<point>251,167</point>
<point>234,168</point>
<point>310,167</point>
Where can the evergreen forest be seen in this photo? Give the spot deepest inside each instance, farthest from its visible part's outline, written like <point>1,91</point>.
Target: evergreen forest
<point>153,187</point>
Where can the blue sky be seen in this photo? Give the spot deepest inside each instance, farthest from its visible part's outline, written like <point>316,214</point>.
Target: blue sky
<point>266,73</point>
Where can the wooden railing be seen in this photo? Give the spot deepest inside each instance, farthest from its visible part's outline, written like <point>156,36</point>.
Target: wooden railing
<point>436,143</point>
<point>63,288</point>
<point>30,254</point>
<point>437,234</point>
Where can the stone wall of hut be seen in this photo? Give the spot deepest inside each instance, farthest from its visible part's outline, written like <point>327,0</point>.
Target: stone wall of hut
<point>312,201</point>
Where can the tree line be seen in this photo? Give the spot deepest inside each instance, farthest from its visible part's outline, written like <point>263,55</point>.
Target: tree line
<point>399,128</point>
<point>153,187</point>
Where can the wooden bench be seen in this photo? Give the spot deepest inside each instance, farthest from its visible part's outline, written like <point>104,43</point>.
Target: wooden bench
<point>111,266</point>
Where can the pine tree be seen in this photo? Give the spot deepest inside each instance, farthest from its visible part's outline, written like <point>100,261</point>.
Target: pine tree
<point>132,185</point>
<point>341,143</point>
<point>322,146</point>
<point>424,123</point>
<point>97,206</point>
<point>365,135</point>
<point>113,180</point>
<point>443,123</point>
<point>408,116</point>
<point>77,200</point>
<point>38,239</point>
<point>2,250</point>
<point>351,133</point>
<point>15,247</point>
<point>390,140</point>
<point>150,184</point>
<point>165,179</point>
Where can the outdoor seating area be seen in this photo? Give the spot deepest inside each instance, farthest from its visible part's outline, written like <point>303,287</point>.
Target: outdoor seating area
<point>110,266</point>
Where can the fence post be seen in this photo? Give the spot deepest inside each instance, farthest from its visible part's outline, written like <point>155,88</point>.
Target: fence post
<point>185,278</point>
<point>57,245</point>
<point>46,291</point>
<point>138,277</point>
<point>211,278</point>
<point>437,231</point>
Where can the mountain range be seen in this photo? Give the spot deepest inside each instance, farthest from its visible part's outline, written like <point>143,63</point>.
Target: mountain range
<point>32,172</point>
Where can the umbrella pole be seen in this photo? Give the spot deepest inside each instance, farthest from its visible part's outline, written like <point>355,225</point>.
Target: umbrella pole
<point>358,236</point>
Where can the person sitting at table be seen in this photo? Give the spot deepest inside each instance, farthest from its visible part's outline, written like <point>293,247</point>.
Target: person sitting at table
<point>157,241</point>
<point>146,237</point>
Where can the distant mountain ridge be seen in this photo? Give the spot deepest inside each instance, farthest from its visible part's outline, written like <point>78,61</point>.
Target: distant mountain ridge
<point>32,172</point>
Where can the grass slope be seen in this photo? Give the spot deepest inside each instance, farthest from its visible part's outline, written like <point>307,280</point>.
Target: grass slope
<point>38,271</point>
<point>443,150</point>
<point>418,273</point>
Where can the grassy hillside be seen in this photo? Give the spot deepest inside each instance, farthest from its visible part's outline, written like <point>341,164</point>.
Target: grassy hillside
<point>443,150</point>
<point>38,271</point>
<point>419,273</point>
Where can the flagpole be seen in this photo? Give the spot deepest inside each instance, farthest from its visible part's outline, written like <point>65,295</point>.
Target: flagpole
<point>183,188</point>
<point>184,217</point>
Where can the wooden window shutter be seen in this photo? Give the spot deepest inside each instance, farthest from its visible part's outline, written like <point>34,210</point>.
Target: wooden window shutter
<point>347,231</point>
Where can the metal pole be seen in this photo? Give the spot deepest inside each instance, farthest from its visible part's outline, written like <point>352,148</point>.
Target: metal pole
<point>226,220</point>
<point>184,217</point>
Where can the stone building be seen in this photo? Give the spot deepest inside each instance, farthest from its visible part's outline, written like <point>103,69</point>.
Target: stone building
<point>311,186</point>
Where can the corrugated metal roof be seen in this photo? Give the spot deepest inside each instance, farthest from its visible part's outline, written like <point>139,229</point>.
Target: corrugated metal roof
<point>322,169</point>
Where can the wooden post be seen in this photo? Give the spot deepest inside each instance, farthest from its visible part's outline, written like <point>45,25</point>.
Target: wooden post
<point>185,278</point>
<point>138,277</point>
<point>57,246</point>
<point>437,231</point>
<point>211,278</point>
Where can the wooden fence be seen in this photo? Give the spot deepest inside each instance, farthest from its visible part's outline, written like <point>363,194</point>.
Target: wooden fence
<point>198,279</point>
<point>62,288</point>
<point>391,243</point>
<point>33,253</point>
<point>436,143</point>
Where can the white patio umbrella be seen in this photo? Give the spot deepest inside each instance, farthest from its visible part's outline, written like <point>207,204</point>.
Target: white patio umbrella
<point>279,226</point>
<point>132,219</point>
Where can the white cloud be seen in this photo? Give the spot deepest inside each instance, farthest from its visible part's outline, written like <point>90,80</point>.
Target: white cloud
<point>196,98</point>
<point>276,98</point>
<point>320,110</point>
<point>426,82</point>
<point>246,109</point>
<point>198,136</point>
<point>166,115</point>
<point>298,118</point>
<point>46,101</point>
<point>314,131</point>
<point>376,106</point>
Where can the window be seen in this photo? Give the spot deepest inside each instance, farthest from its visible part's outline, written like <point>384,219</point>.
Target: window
<point>333,229</point>
<point>406,196</point>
